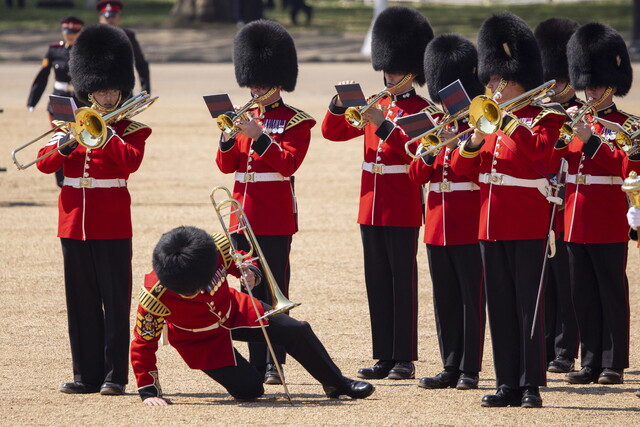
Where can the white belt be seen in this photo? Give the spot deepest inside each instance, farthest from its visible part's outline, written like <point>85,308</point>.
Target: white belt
<point>501,179</point>
<point>211,327</point>
<point>260,177</point>
<point>446,186</point>
<point>94,183</point>
<point>594,179</point>
<point>384,169</point>
<point>63,86</point>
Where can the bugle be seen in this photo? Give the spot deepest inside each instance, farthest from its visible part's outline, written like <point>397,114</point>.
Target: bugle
<point>226,121</point>
<point>90,127</point>
<point>353,115</point>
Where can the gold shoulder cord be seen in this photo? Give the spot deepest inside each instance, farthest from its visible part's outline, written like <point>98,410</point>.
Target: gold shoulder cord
<point>150,300</point>
<point>298,118</point>
<point>134,127</point>
<point>224,246</point>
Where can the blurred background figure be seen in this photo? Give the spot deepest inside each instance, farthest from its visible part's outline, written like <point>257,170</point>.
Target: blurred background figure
<point>110,14</point>
<point>57,58</point>
<point>296,7</point>
<point>20,4</point>
<point>245,11</point>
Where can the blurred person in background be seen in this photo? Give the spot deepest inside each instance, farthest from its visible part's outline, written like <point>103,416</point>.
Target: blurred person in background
<point>57,58</point>
<point>110,14</point>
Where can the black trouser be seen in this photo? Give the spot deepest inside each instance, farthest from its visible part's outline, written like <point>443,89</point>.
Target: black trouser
<point>391,277</point>
<point>297,338</point>
<point>276,250</point>
<point>459,304</point>
<point>601,299</point>
<point>560,324</point>
<point>97,276</point>
<point>512,270</point>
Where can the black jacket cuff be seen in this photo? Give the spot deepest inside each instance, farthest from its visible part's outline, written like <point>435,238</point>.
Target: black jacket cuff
<point>148,391</point>
<point>385,129</point>
<point>261,144</point>
<point>591,146</point>
<point>227,145</point>
<point>337,110</point>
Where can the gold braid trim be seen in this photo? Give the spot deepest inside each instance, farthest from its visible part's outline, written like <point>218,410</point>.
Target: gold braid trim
<point>134,127</point>
<point>431,109</point>
<point>150,300</point>
<point>627,125</point>
<point>298,118</point>
<point>224,246</point>
<point>545,112</point>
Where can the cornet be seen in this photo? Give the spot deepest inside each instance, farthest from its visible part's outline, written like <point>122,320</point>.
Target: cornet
<point>226,121</point>
<point>353,115</point>
<point>90,127</point>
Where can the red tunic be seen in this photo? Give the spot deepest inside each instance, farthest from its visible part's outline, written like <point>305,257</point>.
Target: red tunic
<point>451,218</point>
<point>270,206</point>
<point>514,212</point>
<point>385,199</point>
<point>596,213</point>
<point>97,213</point>
<point>185,318</point>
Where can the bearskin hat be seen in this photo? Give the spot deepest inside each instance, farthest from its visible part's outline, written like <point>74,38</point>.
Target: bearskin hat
<point>598,57</point>
<point>552,36</point>
<point>185,260</point>
<point>399,37</point>
<point>101,58</point>
<point>450,57</point>
<point>508,48</point>
<point>264,55</point>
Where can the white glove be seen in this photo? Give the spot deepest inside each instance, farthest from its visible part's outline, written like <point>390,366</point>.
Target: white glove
<point>633,217</point>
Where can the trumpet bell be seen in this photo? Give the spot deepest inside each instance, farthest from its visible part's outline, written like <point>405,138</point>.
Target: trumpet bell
<point>225,123</point>
<point>626,144</point>
<point>354,117</point>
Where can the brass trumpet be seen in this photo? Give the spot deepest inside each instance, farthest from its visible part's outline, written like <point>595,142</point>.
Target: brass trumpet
<point>353,115</point>
<point>628,142</point>
<point>431,141</point>
<point>226,121</point>
<point>90,127</point>
<point>566,131</point>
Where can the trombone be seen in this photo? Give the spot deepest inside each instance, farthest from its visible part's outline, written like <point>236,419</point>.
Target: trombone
<point>484,113</point>
<point>566,131</point>
<point>353,115</point>
<point>90,127</point>
<point>229,208</point>
<point>431,141</point>
<point>628,142</point>
<point>226,121</point>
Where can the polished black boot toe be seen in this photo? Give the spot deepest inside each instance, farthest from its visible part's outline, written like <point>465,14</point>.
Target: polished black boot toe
<point>610,376</point>
<point>503,397</point>
<point>531,398</point>
<point>352,388</point>
<point>560,365</point>
<point>402,371</point>
<point>467,381</point>
<point>78,387</point>
<point>271,374</point>
<point>378,371</point>
<point>585,375</point>
<point>443,380</point>
<point>112,389</point>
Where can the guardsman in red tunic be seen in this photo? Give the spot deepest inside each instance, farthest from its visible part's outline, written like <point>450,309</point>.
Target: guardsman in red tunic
<point>188,293</point>
<point>561,326</point>
<point>595,227</point>
<point>390,213</point>
<point>94,222</point>
<point>512,166</point>
<point>451,227</point>
<point>272,144</point>
<point>57,58</point>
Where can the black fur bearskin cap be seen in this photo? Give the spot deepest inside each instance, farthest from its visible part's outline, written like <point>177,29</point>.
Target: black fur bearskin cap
<point>598,57</point>
<point>101,58</point>
<point>264,55</point>
<point>399,37</point>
